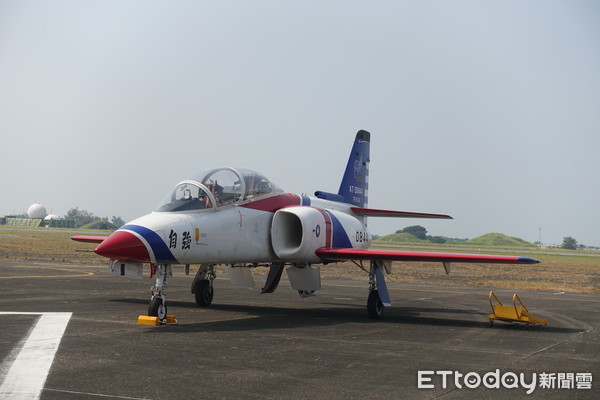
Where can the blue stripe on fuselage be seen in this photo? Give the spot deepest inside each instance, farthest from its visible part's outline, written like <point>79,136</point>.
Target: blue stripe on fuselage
<point>305,200</point>
<point>340,238</point>
<point>161,252</point>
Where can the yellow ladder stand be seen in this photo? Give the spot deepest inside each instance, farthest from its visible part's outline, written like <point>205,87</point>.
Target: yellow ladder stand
<point>512,313</point>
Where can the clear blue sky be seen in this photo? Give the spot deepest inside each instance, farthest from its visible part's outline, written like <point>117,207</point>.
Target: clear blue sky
<point>488,111</point>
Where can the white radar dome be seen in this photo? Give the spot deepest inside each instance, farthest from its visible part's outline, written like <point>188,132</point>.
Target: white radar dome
<point>51,217</point>
<point>36,211</point>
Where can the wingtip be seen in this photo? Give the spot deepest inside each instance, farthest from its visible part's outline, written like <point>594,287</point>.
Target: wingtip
<point>529,260</point>
<point>88,239</point>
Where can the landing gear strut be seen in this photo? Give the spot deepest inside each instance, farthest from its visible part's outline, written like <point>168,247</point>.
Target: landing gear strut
<point>202,286</point>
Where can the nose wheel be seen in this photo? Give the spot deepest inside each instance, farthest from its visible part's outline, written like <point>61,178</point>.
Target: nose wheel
<point>157,308</point>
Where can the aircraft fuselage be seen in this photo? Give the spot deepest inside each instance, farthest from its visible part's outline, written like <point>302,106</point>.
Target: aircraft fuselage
<point>241,233</point>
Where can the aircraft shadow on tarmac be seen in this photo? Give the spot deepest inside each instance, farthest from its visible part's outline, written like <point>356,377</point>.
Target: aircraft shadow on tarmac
<point>272,317</point>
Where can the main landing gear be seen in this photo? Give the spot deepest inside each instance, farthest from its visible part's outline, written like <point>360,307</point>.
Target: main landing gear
<point>202,286</point>
<point>374,305</point>
<point>378,293</point>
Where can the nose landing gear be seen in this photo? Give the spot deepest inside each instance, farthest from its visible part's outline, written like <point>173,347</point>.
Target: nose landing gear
<point>157,309</point>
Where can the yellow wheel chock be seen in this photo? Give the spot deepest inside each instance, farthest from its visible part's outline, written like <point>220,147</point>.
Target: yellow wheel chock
<point>155,321</point>
<point>512,313</point>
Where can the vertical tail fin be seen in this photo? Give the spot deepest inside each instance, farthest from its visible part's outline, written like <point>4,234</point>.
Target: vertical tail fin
<point>355,183</point>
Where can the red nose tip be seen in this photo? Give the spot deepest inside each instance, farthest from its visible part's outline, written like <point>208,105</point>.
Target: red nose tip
<point>123,245</point>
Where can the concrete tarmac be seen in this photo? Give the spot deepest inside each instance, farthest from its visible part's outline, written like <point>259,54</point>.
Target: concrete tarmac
<point>273,346</point>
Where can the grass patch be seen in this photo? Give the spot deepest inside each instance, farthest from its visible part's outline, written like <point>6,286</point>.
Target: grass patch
<point>47,244</point>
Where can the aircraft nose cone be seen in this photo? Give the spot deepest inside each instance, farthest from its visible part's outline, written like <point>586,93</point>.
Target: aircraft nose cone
<point>123,245</point>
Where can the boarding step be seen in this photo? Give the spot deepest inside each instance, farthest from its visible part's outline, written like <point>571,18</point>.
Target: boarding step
<point>514,313</point>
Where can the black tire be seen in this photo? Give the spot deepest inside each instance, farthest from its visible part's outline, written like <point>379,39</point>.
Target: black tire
<point>156,308</point>
<point>374,305</point>
<point>204,293</point>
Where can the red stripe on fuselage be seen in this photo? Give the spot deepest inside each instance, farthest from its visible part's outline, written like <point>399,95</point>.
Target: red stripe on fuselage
<point>328,235</point>
<point>272,204</point>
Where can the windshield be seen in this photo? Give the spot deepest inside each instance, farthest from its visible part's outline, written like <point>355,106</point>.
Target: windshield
<point>187,195</point>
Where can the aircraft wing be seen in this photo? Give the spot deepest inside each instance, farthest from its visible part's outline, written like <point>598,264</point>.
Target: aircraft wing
<point>373,212</point>
<point>367,254</point>
<point>88,239</point>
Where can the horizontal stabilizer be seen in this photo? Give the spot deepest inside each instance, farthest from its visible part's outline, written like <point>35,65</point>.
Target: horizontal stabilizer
<point>366,254</point>
<point>88,239</point>
<point>372,212</point>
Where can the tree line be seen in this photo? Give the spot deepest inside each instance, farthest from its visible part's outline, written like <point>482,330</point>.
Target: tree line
<point>87,220</point>
<point>420,232</point>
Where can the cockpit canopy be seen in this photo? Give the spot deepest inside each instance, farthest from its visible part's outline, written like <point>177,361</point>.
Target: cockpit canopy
<point>217,188</point>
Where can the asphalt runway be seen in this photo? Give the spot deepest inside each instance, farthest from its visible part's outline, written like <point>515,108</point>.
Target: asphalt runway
<point>273,346</point>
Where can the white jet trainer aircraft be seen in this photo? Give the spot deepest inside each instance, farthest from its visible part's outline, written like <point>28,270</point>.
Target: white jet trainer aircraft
<point>239,218</point>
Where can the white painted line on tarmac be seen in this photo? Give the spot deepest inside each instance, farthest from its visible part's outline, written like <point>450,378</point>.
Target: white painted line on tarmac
<point>95,394</point>
<point>25,376</point>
